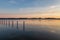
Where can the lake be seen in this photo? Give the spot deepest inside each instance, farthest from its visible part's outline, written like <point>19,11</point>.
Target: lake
<point>30,29</point>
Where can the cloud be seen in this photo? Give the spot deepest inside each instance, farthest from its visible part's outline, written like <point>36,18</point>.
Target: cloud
<point>48,9</point>
<point>54,6</point>
<point>30,10</point>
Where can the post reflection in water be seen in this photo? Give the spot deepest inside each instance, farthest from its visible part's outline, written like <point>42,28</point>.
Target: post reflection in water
<point>6,22</point>
<point>17,24</point>
<point>1,21</point>
<point>12,23</point>
<point>23,26</point>
<point>9,23</point>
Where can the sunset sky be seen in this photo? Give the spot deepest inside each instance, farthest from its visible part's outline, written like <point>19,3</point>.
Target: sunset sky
<point>30,8</point>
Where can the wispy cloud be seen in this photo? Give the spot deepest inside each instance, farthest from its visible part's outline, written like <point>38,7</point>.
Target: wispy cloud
<point>48,9</point>
<point>30,6</point>
<point>54,6</point>
<point>28,10</point>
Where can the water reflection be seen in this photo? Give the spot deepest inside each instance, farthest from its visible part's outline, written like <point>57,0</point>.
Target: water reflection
<point>24,26</point>
<point>6,22</point>
<point>17,25</point>
<point>3,21</point>
<point>30,29</point>
<point>9,23</point>
<point>52,24</point>
<point>12,23</point>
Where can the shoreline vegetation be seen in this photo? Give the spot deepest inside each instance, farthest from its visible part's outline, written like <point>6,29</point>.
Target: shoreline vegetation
<point>27,18</point>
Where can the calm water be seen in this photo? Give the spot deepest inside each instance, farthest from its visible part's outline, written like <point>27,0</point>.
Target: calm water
<point>29,29</point>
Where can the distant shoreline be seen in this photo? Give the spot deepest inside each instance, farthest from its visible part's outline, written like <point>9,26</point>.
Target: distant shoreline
<point>27,18</point>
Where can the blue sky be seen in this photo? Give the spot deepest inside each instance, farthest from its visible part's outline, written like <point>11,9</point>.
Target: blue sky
<point>28,6</point>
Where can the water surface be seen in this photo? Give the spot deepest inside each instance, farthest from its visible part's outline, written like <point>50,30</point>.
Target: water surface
<point>29,29</point>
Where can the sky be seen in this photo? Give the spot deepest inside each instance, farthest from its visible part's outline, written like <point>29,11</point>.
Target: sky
<point>30,8</point>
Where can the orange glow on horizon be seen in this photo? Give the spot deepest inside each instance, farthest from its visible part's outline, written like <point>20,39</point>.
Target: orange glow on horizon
<point>31,16</point>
